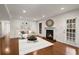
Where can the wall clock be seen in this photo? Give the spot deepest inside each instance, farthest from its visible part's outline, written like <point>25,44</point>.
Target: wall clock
<point>49,22</point>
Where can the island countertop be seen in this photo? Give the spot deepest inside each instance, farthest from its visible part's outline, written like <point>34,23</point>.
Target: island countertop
<point>26,47</point>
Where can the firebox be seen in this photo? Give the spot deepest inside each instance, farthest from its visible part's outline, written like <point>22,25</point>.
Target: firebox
<point>49,34</point>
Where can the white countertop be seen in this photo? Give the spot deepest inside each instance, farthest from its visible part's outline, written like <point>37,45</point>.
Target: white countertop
<point>26,47</point>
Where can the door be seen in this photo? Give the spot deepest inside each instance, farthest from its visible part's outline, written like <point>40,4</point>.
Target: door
<point>5,27</point>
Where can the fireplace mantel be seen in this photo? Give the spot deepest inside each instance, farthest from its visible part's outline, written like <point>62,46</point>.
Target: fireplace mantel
<point>49,28</point>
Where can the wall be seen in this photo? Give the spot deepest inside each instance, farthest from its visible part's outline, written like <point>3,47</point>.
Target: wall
<point>17,25</point>
<point>4,27</point>
<point>60,25</point>
<point>0,29</point>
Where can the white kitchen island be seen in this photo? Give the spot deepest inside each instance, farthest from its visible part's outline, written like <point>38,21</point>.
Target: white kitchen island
<point>26,47</point>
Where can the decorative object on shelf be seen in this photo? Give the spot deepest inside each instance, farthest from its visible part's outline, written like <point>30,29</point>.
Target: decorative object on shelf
<point>49,22</point>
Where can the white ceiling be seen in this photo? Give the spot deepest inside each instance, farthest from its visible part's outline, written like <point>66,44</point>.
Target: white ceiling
<point>34,11</point>
<point>3,13</point>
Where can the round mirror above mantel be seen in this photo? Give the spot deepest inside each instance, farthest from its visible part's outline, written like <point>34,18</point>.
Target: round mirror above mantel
<point>49,23</point>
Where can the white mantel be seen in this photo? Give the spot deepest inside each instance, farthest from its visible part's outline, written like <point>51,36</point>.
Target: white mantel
<point>49,28</point>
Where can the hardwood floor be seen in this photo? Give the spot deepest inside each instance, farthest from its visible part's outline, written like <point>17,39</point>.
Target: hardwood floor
<point>57,49</point>
<point>0,47</point>
<point>13,47</point>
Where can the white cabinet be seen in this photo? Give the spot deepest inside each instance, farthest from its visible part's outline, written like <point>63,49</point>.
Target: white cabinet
<point>72,32</point>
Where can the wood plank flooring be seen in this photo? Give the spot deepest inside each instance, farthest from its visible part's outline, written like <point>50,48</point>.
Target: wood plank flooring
<point>57,49</point>
<point>13,47</point>
<point>0,47</point>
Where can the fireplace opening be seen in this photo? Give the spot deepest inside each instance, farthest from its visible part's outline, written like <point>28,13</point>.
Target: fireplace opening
<point>49,34</point>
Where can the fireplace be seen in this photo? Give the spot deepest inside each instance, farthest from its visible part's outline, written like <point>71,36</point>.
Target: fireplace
<point>49,34</point>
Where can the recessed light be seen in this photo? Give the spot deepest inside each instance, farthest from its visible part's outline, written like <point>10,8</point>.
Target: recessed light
<point>20,17</point>
<point>24,11</point>
<point>7,49</point>
<point>62,8</point>
<point>43,16</point>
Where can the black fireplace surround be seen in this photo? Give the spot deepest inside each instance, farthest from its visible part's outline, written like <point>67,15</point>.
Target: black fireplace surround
<point>49,34</point>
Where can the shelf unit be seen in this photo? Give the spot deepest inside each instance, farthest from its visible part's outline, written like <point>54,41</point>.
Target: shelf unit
<point>71,29</point>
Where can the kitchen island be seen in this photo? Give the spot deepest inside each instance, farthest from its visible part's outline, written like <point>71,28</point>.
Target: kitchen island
<point>26,46</point>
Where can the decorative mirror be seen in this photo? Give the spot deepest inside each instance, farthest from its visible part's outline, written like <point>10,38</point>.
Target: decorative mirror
<point>49,22</point>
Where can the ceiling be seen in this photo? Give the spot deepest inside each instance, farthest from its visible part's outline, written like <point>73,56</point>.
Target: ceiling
<point>33,11</point>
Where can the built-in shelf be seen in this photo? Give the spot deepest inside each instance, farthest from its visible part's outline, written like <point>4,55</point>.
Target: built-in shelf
<point>71,29</point>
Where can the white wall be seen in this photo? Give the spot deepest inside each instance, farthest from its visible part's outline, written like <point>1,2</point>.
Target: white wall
<point>60,25</point>
<point>18,25</point>
<point>4,27</point>
<point>0,29</point>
